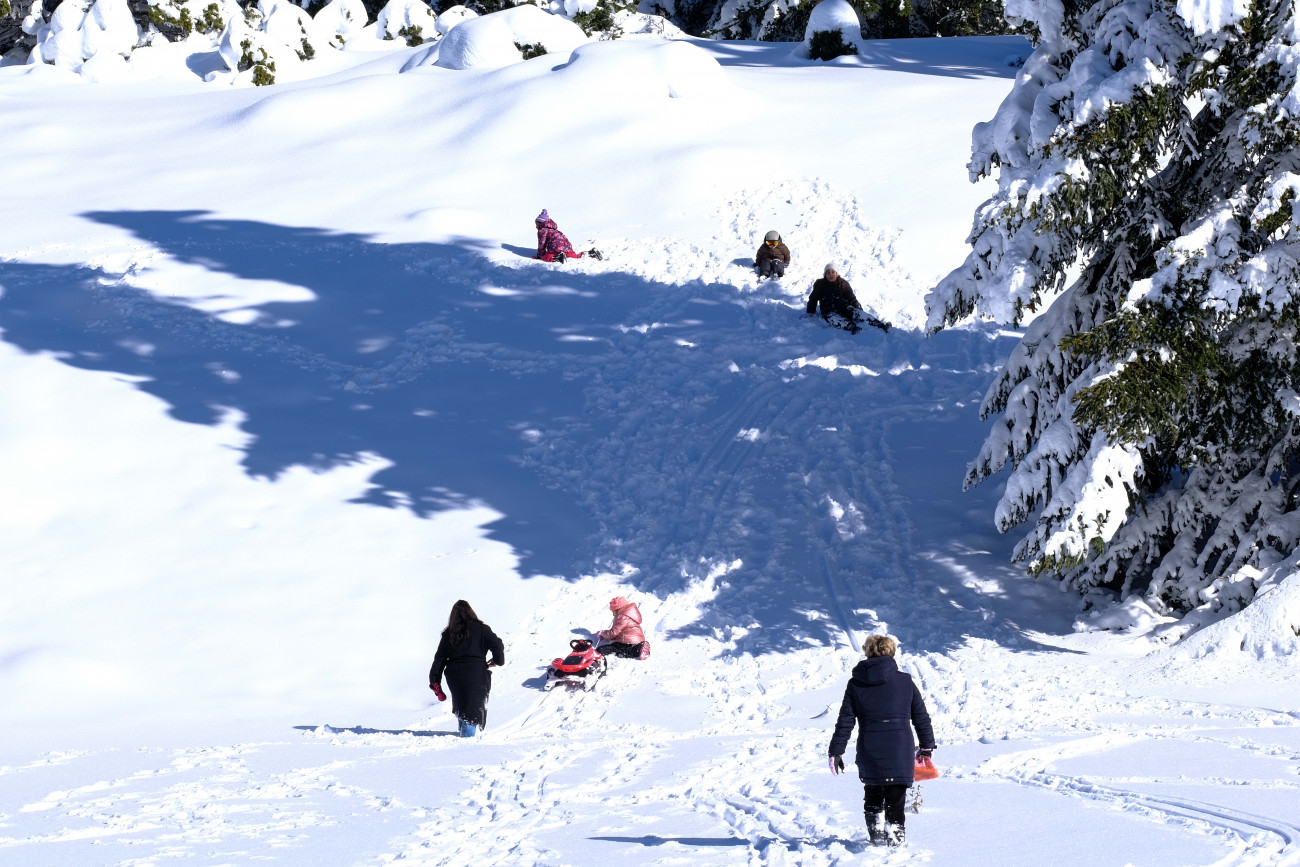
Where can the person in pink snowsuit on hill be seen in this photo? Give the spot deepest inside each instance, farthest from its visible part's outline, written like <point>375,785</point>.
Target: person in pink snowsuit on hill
<point>624,637</point>
<point>552,245</point>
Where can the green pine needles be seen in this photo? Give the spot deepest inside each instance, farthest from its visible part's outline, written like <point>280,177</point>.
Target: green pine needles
<point>529,50</point>
<point>828,45</point>
<point>1148,167</point>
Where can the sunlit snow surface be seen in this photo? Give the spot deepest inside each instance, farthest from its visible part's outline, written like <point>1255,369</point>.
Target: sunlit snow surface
<point>282,382</point>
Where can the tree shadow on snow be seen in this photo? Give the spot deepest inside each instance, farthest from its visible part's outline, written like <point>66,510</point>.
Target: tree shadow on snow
<point>609,419</point>
<point>404,352</point>
<point>962,57</point>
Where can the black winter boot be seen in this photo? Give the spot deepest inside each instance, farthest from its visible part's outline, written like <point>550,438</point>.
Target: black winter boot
<point>876,830</point>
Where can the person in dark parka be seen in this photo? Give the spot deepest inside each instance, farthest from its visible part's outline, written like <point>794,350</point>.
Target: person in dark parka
<point>885,705</point>
<point>832,294</point>
<point>462,656</point>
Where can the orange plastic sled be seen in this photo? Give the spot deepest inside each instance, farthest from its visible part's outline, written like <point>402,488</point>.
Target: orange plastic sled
<point>924,769</point>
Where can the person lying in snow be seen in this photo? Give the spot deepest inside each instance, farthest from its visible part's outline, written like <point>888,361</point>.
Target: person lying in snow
<point>552,245</point>
<point>838,305</point>
<point>624,637</point>
<point>772,256</point>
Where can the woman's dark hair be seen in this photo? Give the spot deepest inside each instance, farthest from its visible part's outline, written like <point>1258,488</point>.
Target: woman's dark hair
<point>459,622</point>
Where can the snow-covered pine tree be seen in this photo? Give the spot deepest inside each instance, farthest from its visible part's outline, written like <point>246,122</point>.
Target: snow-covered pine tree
<point>1148,159</point>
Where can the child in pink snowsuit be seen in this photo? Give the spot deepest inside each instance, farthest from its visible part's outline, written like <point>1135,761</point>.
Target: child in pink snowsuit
<point>624,638</point>
<point>552,246</point>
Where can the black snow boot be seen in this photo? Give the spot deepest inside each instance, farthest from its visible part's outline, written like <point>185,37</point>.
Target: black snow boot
<point>876,830</point>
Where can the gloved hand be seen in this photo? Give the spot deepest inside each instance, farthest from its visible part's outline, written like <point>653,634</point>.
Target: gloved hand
<point>836,764</point>
<point>924,753</point>
<point>437,690</point>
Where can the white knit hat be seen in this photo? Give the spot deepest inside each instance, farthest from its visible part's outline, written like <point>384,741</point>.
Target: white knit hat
<point>830,266</point>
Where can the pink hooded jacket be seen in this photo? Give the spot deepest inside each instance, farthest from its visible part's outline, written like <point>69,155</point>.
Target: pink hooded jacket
<point>627,622</point>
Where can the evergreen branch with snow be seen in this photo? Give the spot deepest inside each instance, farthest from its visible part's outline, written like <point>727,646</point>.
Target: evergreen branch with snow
<point>1148,415</point>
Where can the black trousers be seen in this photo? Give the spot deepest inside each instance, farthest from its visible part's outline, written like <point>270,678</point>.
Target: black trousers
<point>890,799</point>
<point>621,649</point>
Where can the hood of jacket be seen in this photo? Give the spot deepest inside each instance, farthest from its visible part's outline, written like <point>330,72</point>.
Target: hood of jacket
<point>874,671</point>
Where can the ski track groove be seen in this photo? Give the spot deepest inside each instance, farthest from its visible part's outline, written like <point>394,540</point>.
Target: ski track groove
<point>1166,808</point>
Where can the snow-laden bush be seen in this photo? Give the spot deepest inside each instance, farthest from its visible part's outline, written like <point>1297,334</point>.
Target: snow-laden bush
<point>80,30</point>
<point>571,8</point>
<point>492,41</point>
<point>750,19</point>
<point>451,17</point>
<point>628,24</point>
<point>839,23</point>
<point>187,17</point>
<point>340,21</point>
<point>268,37</point>
<point>409,20</point>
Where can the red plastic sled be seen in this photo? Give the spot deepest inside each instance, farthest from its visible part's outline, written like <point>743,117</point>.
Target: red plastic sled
<point>584,665</point>
<point>924,769</point>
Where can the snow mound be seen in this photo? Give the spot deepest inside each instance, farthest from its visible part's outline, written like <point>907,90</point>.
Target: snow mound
<point>1268,628</point>
<point>830,16</point>
<point>1132,616</point>
<point>490,41</point>
<point>453,16</point>
<point>650,69</point>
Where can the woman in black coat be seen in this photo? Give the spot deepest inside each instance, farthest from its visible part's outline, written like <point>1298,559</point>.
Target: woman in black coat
<point>462,656</point>
<point>886,705</point>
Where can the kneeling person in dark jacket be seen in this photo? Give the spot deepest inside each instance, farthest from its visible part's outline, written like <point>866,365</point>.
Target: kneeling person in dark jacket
<point>886,705</point>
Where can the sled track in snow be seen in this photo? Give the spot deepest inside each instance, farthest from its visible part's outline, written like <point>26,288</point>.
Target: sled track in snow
<point>1283,851</point>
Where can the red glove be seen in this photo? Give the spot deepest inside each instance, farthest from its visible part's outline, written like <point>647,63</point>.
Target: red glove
<point>437,690</point>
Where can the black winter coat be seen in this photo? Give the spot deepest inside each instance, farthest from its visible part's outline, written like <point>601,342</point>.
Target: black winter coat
<point>886,705</point>
<point>468,678</point>
<point>833,297</point>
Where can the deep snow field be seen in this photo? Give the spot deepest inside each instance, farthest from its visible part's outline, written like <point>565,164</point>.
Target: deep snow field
<point>281,383</point>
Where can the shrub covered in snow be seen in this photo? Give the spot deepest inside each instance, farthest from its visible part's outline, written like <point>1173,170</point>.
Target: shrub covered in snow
<point>339,21</point>
<point>409,20</point>
<point>833,30</point>
<point>270,35</point>
<point>186,17</point>
<point>80,30</point>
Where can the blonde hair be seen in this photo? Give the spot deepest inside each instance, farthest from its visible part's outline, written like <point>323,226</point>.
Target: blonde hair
<point>879,645</point>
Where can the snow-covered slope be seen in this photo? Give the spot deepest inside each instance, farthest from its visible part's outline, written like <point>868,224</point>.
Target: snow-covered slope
<point>282,382</point>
